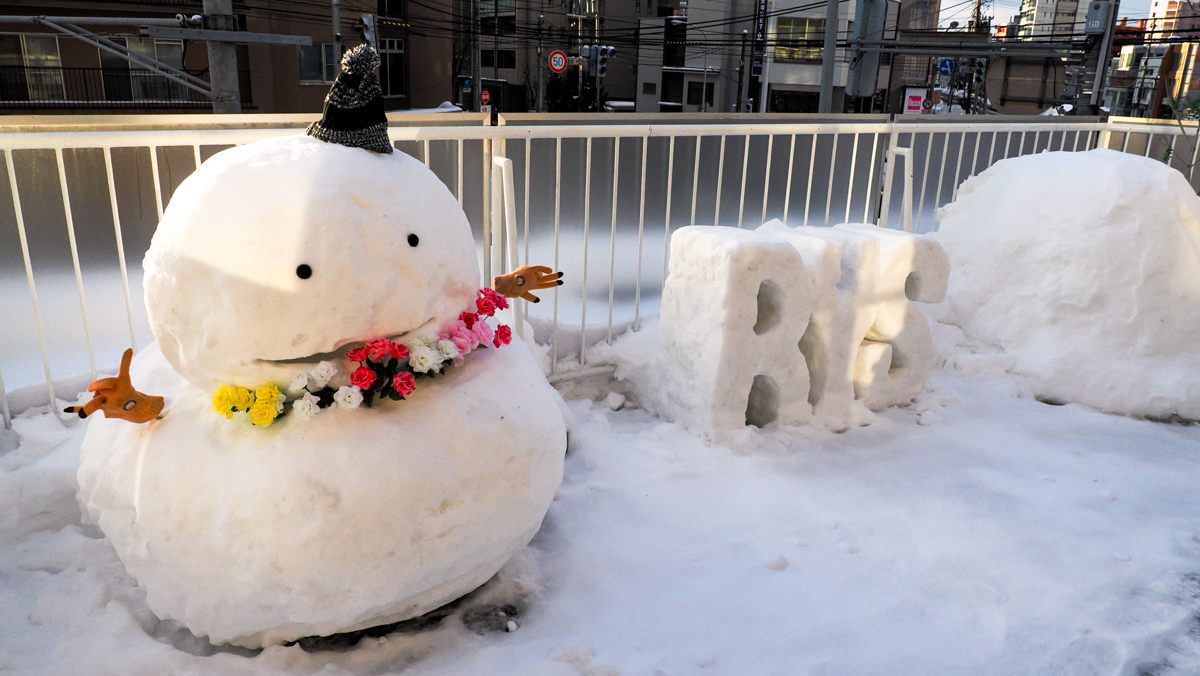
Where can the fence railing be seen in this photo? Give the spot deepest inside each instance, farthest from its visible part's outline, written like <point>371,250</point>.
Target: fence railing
<point>597,200</point>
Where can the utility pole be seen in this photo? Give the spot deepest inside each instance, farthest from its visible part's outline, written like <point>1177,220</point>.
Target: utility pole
<point>495,39</point>
<point>541,92</point>
<point>743,79</point>
<point>222,58</point>
<point>766,71</point>
<point>1110,23</point>
<point>825,104</point>
<point>337,29</point>
<point>476,39</point>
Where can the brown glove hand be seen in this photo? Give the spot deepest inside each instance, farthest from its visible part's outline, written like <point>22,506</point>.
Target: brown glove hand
<point>520,282</point>
<point>117,398</point>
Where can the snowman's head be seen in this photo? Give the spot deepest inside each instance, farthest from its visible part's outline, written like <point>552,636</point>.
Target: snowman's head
<point>278,254</point>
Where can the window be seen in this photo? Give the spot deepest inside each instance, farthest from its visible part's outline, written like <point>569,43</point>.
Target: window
<point>318,65</point>
<point>43,68</point>
<point>392,68</point>
<point>498,17</point>
<point>650,88</point>
<point>395,9</point>
<point>13,84</point>
<point>693,93</point>
<point>505,58</point>
<point>146,85</point>
<point>799,39</point>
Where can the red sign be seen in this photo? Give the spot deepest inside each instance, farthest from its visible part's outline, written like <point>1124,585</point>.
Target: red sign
<point>558,62</point>
<point>485,97</point>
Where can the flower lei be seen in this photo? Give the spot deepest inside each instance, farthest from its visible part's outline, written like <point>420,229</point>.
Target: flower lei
<point>385,370</point>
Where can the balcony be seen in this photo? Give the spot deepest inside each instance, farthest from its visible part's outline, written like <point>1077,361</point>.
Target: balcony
<point>104,88</point>
<point>598,198</point>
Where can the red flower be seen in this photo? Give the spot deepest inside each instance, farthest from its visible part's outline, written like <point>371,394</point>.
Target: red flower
<point>404,383</point>
<point>358,354</point>
<point>503,335</point>
<point>382,348</point>
<point>469,318</point>
<point>496,297</point>
<point>362,378</point>
<point>400,351</point>
<point>485,305</point>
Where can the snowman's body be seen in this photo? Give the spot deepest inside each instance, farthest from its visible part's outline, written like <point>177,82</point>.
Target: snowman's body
<point>356,517</point>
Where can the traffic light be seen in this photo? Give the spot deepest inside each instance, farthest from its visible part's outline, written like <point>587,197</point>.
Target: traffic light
<point>603,52</point>
<point>366,27</point>
<point>588,54</point>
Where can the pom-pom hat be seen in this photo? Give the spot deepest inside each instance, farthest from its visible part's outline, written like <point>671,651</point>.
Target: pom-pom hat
<point>353,114</point>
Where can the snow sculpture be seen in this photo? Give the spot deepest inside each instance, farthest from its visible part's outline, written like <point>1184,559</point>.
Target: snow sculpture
<point>863,346</point>
<point>1085,268</point>
<point>898,354</point>
<point>736,304</point>
<point>271,260</point>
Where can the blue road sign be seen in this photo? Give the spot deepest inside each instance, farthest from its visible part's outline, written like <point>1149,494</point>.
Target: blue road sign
<point>946,67</point>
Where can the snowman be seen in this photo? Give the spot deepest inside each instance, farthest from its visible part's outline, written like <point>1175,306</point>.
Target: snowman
<point>282,495</point>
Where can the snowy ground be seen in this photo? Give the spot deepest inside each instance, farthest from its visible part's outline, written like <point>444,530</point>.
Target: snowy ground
<point>1001,535</point>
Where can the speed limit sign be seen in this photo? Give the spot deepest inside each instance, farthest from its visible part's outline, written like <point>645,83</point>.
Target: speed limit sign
<point>558,62</point>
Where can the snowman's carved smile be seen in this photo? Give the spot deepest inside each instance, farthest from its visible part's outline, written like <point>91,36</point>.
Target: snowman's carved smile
<point>340,351</point>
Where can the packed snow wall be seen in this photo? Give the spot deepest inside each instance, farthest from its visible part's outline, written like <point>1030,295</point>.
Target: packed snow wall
<point>1085,268</point>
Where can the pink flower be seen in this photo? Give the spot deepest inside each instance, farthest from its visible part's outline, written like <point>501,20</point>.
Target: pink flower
<point>461,336</point>
<point>362,378</point>
<point>468,318</point>
<point>483,333</point>
<point>404,383</point>
<point>496,297</point>
<point>382,348</point>
<point>485,305</point>
<point>358,354</point>
<point>503,335</point>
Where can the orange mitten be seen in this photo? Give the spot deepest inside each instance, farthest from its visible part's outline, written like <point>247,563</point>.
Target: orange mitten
<point>520,282</point>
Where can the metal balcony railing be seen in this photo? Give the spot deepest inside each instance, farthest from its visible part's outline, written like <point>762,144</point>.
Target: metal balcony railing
<point>598,199</point>
<point>52,87</point>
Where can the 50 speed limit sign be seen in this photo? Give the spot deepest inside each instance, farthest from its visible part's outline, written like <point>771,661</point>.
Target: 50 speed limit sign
<point>557,62</point>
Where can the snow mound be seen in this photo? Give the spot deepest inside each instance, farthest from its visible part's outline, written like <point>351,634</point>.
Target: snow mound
<point>1085,267</point>
<point>353,519</point>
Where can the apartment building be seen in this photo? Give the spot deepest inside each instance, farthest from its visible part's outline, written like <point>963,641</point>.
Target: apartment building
<point>43,70</point>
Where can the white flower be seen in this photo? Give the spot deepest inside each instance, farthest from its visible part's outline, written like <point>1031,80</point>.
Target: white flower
<point>298,384</point>
<point>423,358</point>
<point>306,407</point>
<point>320,375</point>
<point>448,349</point>
<point>348,397</point>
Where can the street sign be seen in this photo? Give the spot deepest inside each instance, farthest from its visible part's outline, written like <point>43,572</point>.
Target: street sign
<point>558,62</point>
<point>485,97</point>
<point>927,104</point>
<point>913,98</point>
<point>946,67</point>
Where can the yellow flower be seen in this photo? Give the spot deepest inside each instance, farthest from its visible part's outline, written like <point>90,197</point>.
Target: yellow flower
<point>231,398</point>
<point>243,398</point>
<point>263,413</point>
<point>268,393</point>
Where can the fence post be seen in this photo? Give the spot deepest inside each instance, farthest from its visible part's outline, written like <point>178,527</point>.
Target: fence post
<point>5,410</point>
<point>885,169</point>
<point>504,227</point>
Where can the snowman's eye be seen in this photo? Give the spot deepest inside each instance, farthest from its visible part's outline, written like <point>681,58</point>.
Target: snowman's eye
<point>303,271</point>
<point>413,240</point>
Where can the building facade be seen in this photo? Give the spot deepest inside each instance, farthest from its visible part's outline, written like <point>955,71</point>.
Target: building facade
<point>1047,19</point>
<point>43,70</point>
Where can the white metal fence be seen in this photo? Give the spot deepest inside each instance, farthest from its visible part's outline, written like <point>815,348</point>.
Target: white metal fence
<point>598,200</point>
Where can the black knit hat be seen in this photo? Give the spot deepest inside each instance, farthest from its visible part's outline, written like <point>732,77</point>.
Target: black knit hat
<point>353,114</point>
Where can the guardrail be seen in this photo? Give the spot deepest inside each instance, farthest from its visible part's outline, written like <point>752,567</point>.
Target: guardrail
<point>84,200</point>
